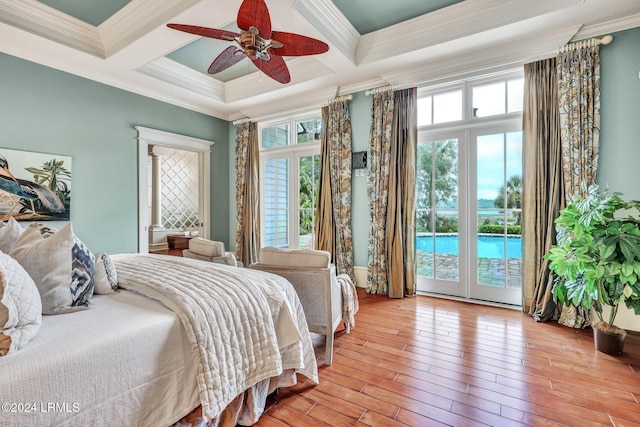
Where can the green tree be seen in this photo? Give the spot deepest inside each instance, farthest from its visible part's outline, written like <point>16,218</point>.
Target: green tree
<point>436,180</point>
<point>309,178</point>
<point>513,194</point>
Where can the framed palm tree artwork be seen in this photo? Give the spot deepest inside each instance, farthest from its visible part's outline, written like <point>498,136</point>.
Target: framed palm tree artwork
<point>34,186</point>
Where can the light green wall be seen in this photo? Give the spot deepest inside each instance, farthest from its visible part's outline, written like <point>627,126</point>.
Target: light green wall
<point>619,158</point>
<point>50,111</point>
<point>360,109</point>
<point>618,165</point>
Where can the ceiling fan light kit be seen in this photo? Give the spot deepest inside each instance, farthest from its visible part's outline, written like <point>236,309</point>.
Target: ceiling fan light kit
<point>265,48</point>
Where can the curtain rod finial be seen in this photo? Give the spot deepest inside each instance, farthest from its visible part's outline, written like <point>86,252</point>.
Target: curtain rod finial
<point>606,39</point>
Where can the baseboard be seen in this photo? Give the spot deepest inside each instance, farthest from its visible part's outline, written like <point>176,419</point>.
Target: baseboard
<point>360,274</point>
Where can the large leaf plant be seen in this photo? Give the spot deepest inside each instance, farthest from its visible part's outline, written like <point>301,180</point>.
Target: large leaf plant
<point>597,257</point>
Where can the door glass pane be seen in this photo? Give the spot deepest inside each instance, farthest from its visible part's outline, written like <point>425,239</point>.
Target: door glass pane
<point>515,95</point>
<point>499,207</point>
<point>308,130</point>
<point>437,203</point>
<point>309,179</point>
<point>276,200</point>
<point>491,209</point>
<point>275,136</point>
<point>489,99</point>
<point>447,107</point>
<point>424,111</point>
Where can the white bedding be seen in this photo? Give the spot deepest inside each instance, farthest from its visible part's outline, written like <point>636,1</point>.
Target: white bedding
<point>129,360</point>
<point>233,348</point>
<point>100,366</point>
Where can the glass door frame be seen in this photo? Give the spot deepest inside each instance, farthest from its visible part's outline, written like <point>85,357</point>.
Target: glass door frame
<point>477,290</point>
<point>436,285</point>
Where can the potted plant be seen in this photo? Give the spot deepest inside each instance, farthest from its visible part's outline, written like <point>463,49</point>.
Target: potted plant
<point>597,260</point>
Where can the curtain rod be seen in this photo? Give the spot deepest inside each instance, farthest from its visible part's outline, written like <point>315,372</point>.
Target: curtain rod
<point>594,41</point>
<point>342,98</point>
<point>379,90</point>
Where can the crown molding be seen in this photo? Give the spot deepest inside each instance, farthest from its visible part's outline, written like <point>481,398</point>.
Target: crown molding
<point>177,74</point>
<point>136,19</point>
<point>511,53</point>
<point>307,102</point>
<point>603,28</point>
<point>47,22</point>
<point>457,21</point>
<point>332,24</point>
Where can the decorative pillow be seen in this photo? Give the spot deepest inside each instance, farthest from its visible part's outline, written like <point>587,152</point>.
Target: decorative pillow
<point>20,306</point>
<point>9,234</point>
<point>204,247</point>
<point>61,266</point>
<point>105,278</point>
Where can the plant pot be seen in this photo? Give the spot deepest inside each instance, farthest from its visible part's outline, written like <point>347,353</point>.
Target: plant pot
<point>608,342</point>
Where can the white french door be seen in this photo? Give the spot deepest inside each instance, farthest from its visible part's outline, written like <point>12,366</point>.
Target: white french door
<point>468,212</point>
<point>441,214</point>
<point>495,195</point>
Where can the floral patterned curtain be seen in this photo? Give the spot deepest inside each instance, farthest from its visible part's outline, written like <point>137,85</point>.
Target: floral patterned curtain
<point>333,218</point>
<point>247,193</point>
<point>378,159</point>
<point>578,69</point>
<point>391,189</point>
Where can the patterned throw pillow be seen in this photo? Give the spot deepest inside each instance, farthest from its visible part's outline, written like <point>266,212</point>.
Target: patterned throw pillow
<point>9,233</point>
<point>20,306</point>
<point>61,266</point>
<point>105,279</point>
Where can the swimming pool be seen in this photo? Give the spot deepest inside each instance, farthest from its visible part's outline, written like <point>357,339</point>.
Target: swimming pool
<point>488,246</point>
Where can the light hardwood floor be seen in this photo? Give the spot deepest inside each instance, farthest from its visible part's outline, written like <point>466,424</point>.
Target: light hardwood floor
<point>425,361</point>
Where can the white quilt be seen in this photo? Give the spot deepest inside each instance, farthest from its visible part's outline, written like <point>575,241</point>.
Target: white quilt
<point>243,325</point>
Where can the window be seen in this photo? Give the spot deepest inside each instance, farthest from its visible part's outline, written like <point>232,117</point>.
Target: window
<point>289,175</point>
<point>495,98</point>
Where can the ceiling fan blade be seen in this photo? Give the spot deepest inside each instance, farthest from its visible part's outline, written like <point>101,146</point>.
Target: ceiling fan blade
<point>254,13</point>
<point>274,68</point>
<point>297,45</point>
<point>213,33</point>
<point>226,59</point>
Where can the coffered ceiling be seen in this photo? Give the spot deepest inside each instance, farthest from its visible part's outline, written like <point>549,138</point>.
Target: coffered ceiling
<point>126,44</point>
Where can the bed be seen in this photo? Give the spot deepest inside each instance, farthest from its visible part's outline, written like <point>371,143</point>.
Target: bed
<point>181,333</point>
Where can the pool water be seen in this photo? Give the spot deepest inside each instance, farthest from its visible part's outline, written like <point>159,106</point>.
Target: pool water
<point>488,246</point>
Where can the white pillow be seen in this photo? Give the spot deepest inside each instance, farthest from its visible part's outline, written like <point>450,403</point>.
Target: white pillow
<point>61,266</point>
<point>207,248</point>
<point>9,234</point>
<point>20,306</point>
<point>105,278</point>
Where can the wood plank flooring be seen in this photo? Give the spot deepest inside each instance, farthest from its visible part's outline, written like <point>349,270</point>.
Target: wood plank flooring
<point>431,362</point>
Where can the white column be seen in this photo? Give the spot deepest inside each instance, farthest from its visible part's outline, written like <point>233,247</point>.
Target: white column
<point>156,190</point>
<point>157,233</point>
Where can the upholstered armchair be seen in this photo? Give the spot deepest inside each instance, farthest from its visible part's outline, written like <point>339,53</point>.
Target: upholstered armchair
<point>208,250</point>
<point>314,279</point>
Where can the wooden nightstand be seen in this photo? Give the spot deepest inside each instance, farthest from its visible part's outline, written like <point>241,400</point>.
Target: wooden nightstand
<point>178,242</point>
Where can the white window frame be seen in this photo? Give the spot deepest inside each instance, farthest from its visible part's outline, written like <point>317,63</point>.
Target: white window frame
<point>293,152</point>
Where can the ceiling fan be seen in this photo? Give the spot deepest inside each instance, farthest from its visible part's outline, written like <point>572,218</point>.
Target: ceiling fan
<point>257,42</point>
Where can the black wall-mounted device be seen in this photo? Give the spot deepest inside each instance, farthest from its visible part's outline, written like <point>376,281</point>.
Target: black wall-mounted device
<point>359,160</point>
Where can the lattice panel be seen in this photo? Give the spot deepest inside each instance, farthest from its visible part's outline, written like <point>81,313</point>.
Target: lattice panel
<point>180,190</point>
